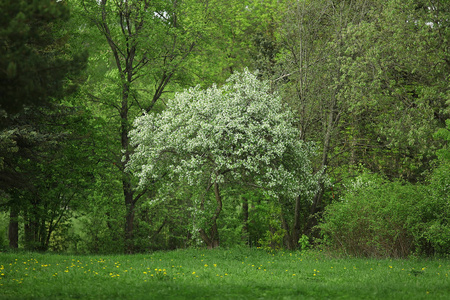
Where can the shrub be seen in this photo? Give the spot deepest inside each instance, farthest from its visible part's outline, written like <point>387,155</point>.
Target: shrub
<point>379,218</point>
<point>434,230</point>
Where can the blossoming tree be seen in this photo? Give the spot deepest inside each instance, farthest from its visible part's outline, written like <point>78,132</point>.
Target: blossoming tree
<point>239,133</point>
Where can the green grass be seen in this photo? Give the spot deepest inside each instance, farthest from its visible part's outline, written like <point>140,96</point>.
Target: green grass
<point>220,274</point>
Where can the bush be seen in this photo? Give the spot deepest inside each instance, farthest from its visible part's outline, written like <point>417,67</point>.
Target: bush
<point>434,232</point>
<point>379,218</point>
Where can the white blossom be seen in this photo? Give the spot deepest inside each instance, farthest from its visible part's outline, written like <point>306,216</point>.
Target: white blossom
<point>238,131</point>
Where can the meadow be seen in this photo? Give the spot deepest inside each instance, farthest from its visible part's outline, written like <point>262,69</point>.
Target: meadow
<point>220,274</point>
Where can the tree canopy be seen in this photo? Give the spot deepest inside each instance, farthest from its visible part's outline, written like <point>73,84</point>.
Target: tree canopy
<point>33,61</point>
<point>239,130</point>
<point>250,119</point>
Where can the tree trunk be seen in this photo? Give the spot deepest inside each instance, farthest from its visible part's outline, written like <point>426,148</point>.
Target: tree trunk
<point>333,119</point>
<point>126,180</point>
<point>129,220</point>
<point>31,228</point>
<point>212,240</point>
<point>287,239</point>
<point>13,228</point>
<point>297,222</point>
<point>292,234</point>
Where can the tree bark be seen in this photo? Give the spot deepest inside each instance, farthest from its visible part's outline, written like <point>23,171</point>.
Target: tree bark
<point>333,119</point>
<point>292,234</point>
<point>212,240</point>
<point>129,219</point>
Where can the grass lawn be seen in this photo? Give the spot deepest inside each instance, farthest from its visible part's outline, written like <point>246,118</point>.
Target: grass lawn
<point>220,274</point>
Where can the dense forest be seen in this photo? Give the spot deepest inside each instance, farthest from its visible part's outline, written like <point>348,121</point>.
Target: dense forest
<point>141,125</point>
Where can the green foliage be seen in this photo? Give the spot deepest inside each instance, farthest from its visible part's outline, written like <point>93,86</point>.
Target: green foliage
<point>444,134</point>
<point>304,243</point>
<point>238,134</point>
<point>274,235</point>
<point>230,224</point>
<point>394,91</point>
<point>367,82</point>
<point>33,61</point>
<point>3,230</point>
<point>435,228</point>
<point>261,217</point>
<point>381,218</point>
<point>240,130</point>
<point>101,224</point>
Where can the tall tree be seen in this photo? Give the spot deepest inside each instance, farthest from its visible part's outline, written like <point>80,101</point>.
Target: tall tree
<point>369,81</point>
<point>36,68</point>
<point>149,42</point>
<point>239,134</point>
<point>394,79</point>
<point>308,73</point>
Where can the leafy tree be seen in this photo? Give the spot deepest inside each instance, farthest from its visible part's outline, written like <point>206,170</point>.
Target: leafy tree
<point>149,43</point>
<point>393,75</point>
<point>37,66</point>
<point>239,133</point>
<point>368,82</point>
<point>308,67</point>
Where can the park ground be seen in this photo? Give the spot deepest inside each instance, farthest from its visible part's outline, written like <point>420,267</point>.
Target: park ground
<point>220,274</point>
